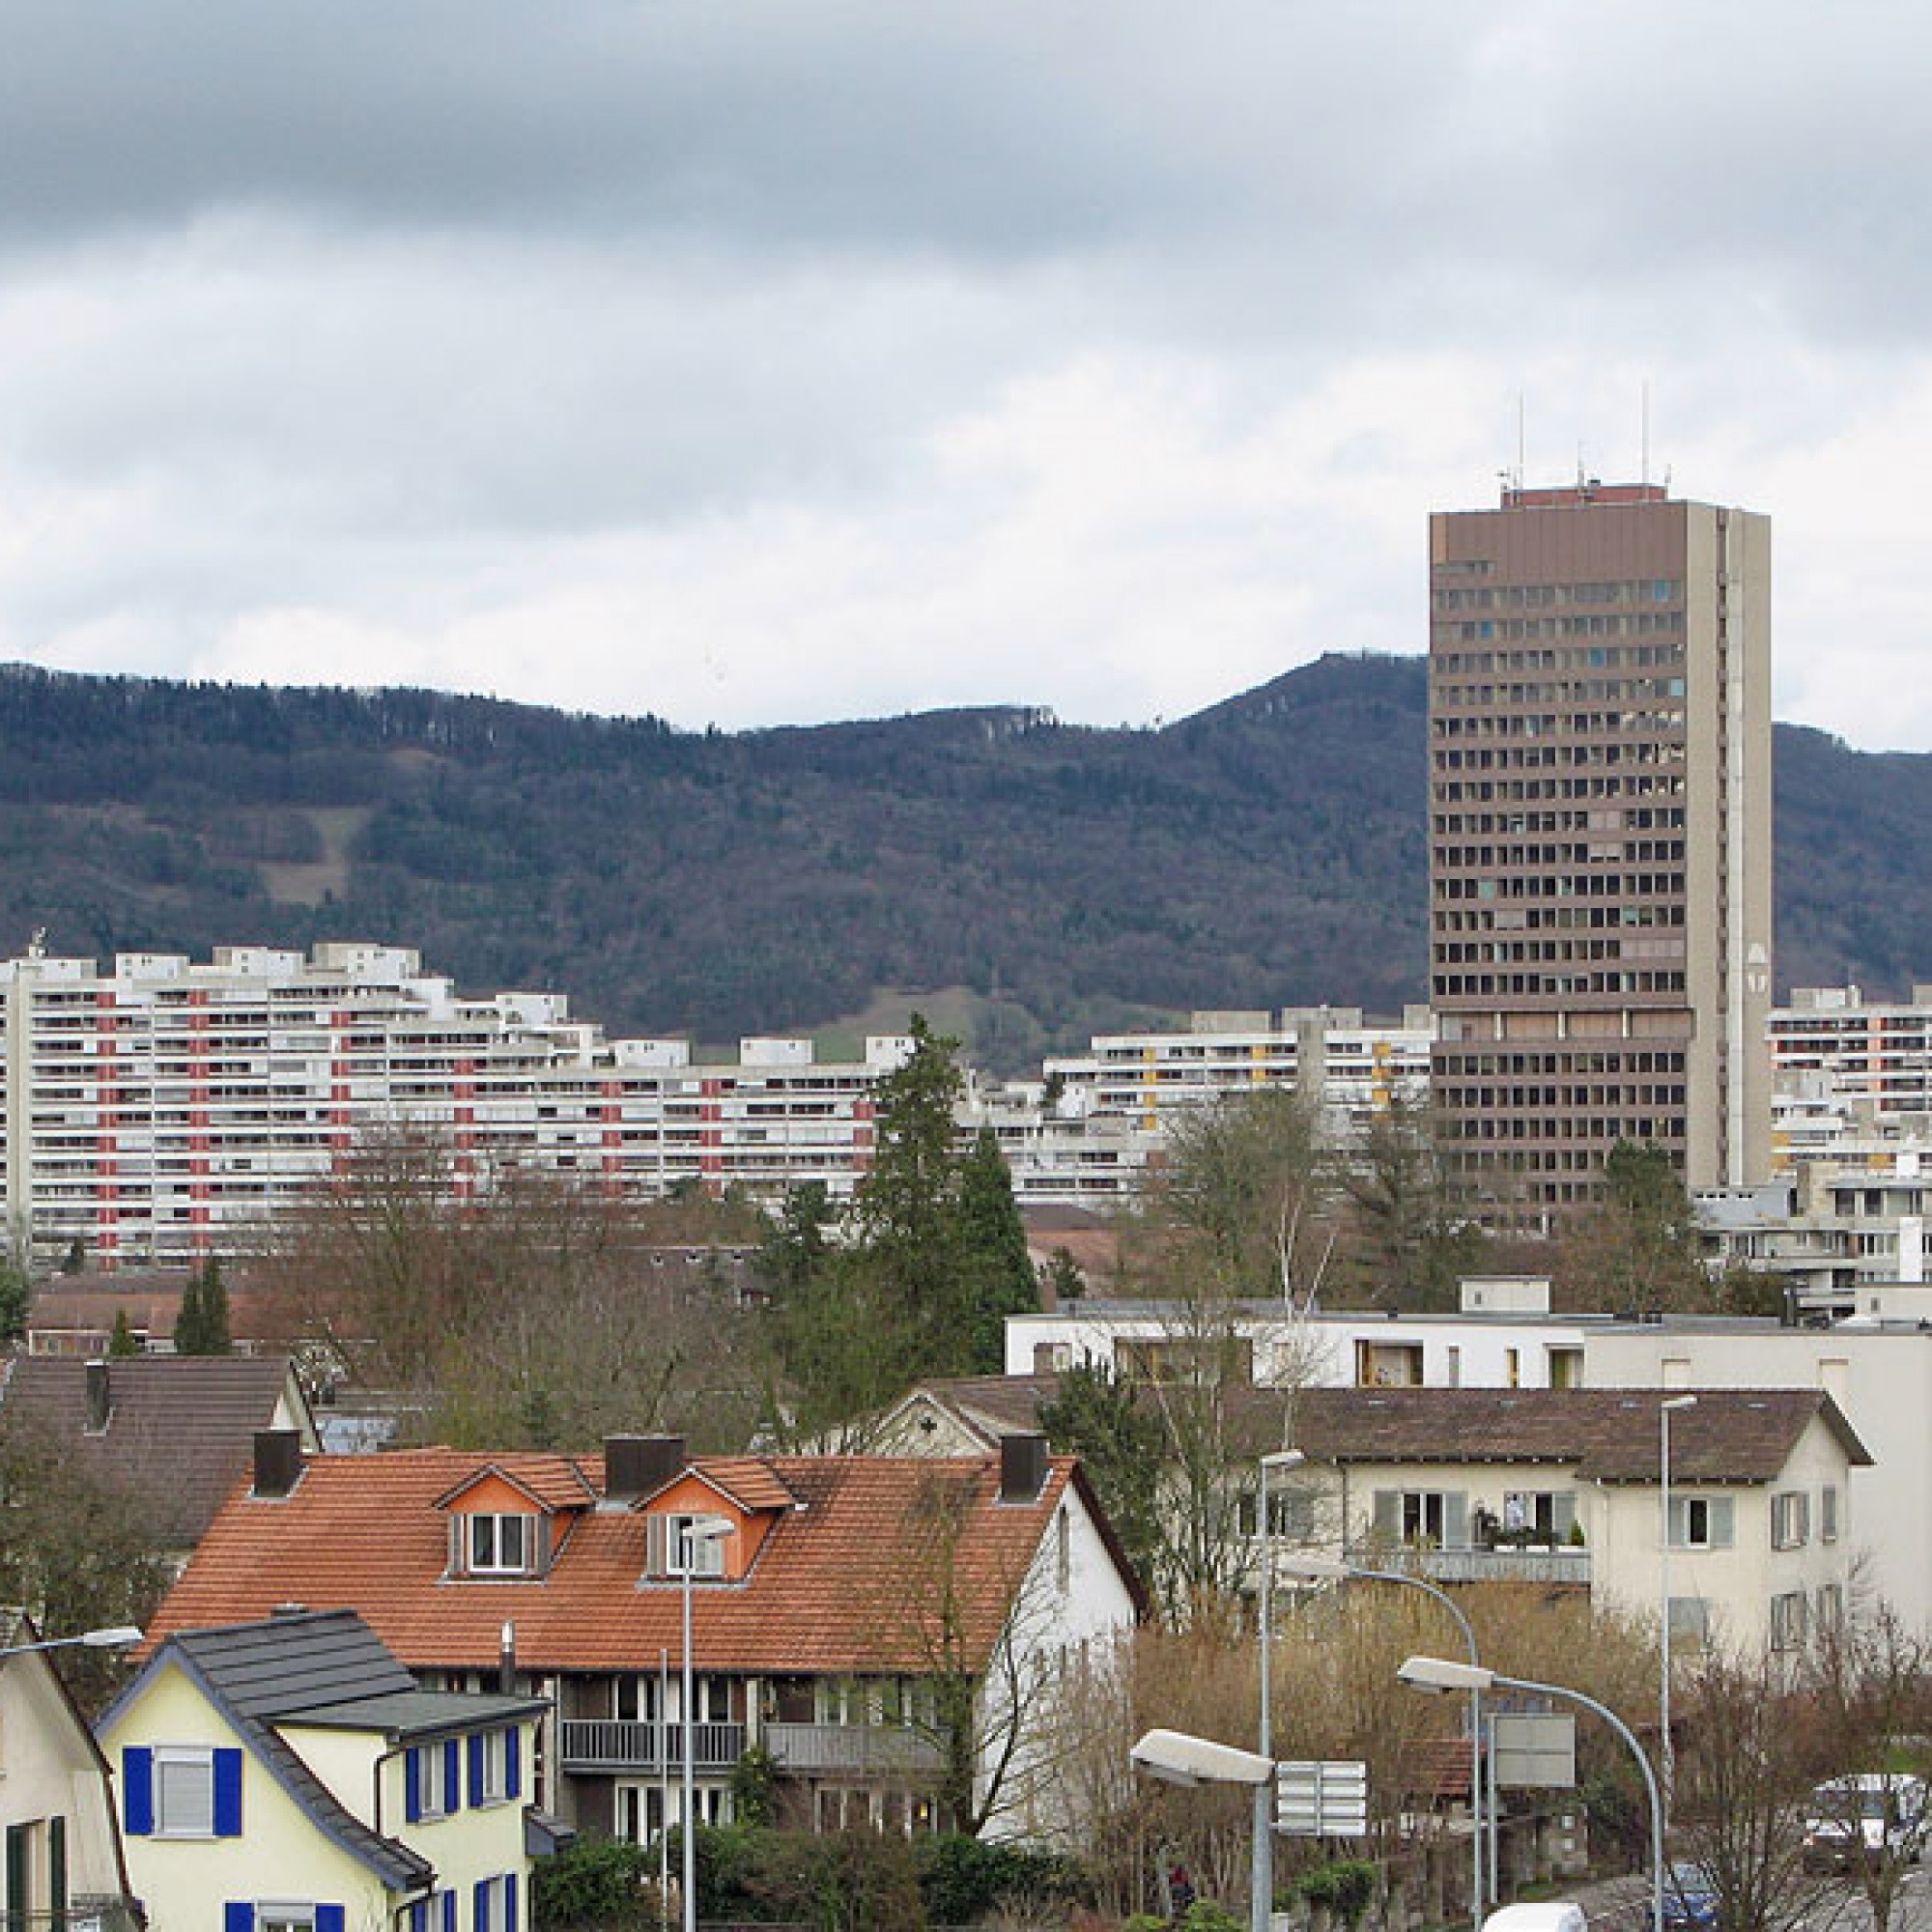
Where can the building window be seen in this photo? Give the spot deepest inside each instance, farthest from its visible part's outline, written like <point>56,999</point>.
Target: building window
<point>183,1792</point>
<point>1827,1513</point>
<point>495,1904</point>
<point>1701,1522</point>
<point>285,1918</point>
<point>499,1546</point>
<point>1787,1620</point>
<point>1423,1518</point>
<point>430,1774</point>
<point>670,1547</point>
<point>493,1767</point>
<point>1690,1623</point>
<point>1790,1520</point>
<point>1831,1610</point>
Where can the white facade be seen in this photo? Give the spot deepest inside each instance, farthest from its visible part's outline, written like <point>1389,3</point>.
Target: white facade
<point>163,1109</point>
<point>1874,1054</point>
<point>1352,1349</point>
<point>1751,1564</point>
<point>56,1803</point>
<point>1880,1375</point>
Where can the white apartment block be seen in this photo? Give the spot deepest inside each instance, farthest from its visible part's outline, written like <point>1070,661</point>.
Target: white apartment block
<point>1870,1056</point>
<point>1353,1069</point>
<point>165,1108</point>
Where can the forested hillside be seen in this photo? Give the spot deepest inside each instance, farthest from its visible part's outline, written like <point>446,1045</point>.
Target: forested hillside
<point>1266,852</point>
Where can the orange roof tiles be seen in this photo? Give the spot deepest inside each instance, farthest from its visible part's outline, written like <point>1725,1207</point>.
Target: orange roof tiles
<point>853,1581</point>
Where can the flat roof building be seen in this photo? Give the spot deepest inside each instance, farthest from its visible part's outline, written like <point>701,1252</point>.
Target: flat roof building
<point>1599,838</point>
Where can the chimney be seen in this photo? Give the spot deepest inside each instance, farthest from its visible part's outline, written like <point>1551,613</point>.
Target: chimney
<point>1022,1468</point>
<point>633,1465</point>
<point>506,1659</point>
<point>99,1405</point>
<point>278,1460</point>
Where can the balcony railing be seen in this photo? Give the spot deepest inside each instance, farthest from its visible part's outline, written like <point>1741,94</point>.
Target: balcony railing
<point>87,1913</point>
<point>877,1749</point>
<point>1554,1563</point>
<point>619,1744</point>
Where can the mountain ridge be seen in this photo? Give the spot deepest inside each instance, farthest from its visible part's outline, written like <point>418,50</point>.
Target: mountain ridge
<point>1269,850</point>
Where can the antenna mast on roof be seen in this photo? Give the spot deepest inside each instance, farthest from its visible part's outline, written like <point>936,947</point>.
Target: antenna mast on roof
<point>1644,416</point>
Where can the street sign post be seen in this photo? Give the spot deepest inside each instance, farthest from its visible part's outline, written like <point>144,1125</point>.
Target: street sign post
<point>1534,1752</point>
<point>1322,1798</point>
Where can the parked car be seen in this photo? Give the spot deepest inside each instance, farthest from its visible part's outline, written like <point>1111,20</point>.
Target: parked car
<point>1870,1816</point>
<point>1690,1899</point>
<point>1551,1915</point>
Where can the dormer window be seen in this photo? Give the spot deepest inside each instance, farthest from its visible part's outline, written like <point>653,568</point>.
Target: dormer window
<point>498,1544</point>
<point>671,1548</point>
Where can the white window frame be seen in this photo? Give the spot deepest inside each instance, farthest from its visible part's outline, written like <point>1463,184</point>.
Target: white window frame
<point>1789,1618</point>
<point>433,1793</point>
<point>1827,1513</point>
<point>495,1765</point>
<point>1685,1511</point>
<point>282,1915</point>
<point>1790,1520</point>
<point>483,1539</point>
<point>183,1759</point>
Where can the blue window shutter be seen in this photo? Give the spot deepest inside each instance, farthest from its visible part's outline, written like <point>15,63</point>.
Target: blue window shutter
<point>238,1917</point>
<point>137,1791</point>
<point>449,1910</point>
<point>481,1921</point>
<point>227,1793</point>
<point>330,1919</point>
<point>476,1791</point>
<point>509,1904</point>
<point>452,1775</point>
<point>412,1786</point>
<point>513,1763</point>
<point>419,1916</point>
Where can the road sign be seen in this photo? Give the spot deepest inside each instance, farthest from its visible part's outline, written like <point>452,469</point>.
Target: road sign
<point>1323,1797</point>
<point>1534,1752</point>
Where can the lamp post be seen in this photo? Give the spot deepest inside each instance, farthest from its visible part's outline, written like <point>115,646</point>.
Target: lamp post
<point>1667,1756</point>
<point>1182,1759</point>
<point>1261,1909</point>
<point>116,1637</point>
<point>1312,1569</point>
<point>1439,1673</point>
<point>695,1530</point>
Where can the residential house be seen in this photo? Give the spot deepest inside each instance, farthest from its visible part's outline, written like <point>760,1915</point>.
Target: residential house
<point>1563,1486</point>
<point>1553,1487</point>
<point>174,1434</point>
<point>887,1629</point>
<point>62,1848</point>
<point>289,1774</point>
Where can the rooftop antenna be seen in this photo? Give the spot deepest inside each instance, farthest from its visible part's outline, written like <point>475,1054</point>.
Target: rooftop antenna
<point>1644,479</point>
<point>1521,438</point>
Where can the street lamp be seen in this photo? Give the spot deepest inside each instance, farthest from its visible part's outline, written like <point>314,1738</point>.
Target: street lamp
<point>116,1637</point>
<point>1666,1755</point>
<point>1261,1908</point>
<point>1314,1569</point>
<point>1182,1759</point>
<point>1439,1673</point>
<point>692,1531</point>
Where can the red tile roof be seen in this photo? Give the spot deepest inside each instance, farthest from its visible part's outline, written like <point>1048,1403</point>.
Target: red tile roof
<point>850,1582</point>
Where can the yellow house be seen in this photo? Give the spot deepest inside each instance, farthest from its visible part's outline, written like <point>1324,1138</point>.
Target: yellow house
<point>290,1776</point>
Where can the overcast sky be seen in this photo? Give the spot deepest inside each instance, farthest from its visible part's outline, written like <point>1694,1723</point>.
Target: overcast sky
<point>752,361</point>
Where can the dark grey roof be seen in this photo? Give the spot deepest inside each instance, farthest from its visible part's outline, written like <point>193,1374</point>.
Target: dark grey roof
<point>181,1429</point>
<point>410,1716</point>
<point>330,1669</point>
